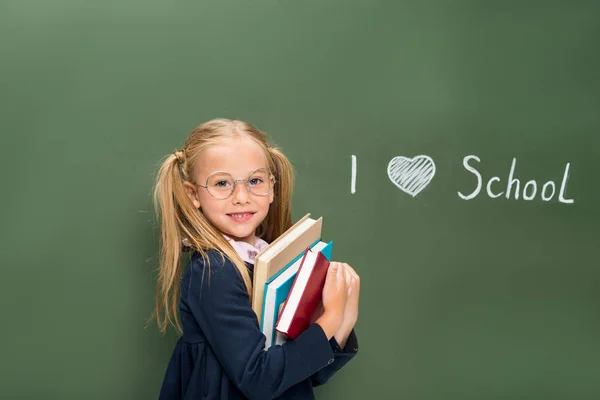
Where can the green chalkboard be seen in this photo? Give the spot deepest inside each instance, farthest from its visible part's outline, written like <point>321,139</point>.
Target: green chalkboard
<point>479,298</point>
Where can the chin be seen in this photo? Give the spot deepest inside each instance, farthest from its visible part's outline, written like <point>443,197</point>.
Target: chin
<point>238,233</point>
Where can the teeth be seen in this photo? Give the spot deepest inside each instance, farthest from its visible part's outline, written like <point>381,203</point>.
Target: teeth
<point>240,216</point>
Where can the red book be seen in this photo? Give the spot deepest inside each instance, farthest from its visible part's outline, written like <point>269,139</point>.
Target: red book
<point>304,297</point>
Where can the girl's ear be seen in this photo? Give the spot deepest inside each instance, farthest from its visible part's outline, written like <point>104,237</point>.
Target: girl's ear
<point>191,192</point>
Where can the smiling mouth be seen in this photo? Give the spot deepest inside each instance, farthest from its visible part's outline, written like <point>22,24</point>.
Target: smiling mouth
<point>240,216</point>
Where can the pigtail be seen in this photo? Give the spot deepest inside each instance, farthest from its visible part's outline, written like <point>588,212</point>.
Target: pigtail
<point>168,194</point>
<point>279,218</point>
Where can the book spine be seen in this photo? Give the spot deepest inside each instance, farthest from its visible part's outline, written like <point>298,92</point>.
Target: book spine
<point>285,309</point>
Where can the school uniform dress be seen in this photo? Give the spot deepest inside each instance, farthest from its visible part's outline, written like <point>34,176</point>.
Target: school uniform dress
<point>221,354</point>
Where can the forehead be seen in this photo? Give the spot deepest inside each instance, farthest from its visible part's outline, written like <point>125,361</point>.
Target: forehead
<point>237,156</point>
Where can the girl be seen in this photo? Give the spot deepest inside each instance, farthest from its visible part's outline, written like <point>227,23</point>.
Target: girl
<point>225,195</point>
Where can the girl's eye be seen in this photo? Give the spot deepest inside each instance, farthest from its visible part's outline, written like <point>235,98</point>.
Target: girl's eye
<point>222,184</point>
<point>255,181</point>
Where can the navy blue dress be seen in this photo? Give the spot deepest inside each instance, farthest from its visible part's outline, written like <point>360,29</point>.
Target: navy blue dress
<point>221,354</point>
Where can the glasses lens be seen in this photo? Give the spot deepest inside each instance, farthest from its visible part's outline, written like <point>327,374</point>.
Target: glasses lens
<point>220,185</point>
<point>261,182</point>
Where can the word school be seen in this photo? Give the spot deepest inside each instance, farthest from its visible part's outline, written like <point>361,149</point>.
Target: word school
<point>530,189</point>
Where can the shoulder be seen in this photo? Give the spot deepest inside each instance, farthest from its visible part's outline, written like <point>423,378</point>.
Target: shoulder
<point>212,281</point>
<point>212,266</point>
<point>212,258</point>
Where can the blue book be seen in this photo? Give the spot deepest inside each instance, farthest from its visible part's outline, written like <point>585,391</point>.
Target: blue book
<point>277,289</point>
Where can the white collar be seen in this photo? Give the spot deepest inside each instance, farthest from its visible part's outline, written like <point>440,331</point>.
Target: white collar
<point>245,250</point>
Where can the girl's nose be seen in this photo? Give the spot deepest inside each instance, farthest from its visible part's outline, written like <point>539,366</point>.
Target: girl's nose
<point>240,193</point>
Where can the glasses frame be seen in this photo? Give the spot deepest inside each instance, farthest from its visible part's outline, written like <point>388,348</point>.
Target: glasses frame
<point>235,181</point>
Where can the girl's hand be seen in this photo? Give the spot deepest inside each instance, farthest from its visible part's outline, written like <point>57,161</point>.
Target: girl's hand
<point>335,291</point>
<point>351,310</point>
<point>335,294</point>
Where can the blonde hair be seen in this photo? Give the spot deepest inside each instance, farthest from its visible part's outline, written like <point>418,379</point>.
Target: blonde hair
<point>181,221</point>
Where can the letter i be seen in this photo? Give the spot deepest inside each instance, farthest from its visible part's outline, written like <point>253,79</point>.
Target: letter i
<point>353,181</point>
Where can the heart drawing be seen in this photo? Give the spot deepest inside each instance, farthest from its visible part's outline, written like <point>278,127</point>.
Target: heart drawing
<point>411,175</point>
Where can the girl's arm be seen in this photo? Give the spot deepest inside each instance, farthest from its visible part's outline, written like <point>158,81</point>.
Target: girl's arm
<point>342,355</point>
<point>221,307</point>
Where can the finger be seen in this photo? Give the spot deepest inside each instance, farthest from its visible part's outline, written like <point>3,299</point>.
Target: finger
<point>351,270</point>
<point>356,288</point>
<point>348,269</point>
<point>356,279</point>
<point>348,276</point>
<point>333,267</point>
<point>352,282</point>
<point>342,277</point>
<point>355,276</point>
<point>331,275</point>
<point>342,270</point>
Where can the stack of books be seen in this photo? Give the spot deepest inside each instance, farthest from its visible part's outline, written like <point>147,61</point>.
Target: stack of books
<point>289,275</point>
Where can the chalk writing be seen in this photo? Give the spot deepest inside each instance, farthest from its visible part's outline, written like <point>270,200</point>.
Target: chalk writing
<point>411,175</point>
<point>353,182</point>
<point>530,189</point>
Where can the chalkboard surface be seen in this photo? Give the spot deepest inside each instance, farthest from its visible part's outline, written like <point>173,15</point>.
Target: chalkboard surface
<point>452,149</point>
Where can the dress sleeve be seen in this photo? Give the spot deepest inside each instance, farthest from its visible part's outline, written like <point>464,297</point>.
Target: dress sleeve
<point>221,306</point>
<point>341,358</point>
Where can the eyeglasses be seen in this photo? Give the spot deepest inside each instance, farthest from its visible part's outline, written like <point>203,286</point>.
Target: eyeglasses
<point>221,185</point>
